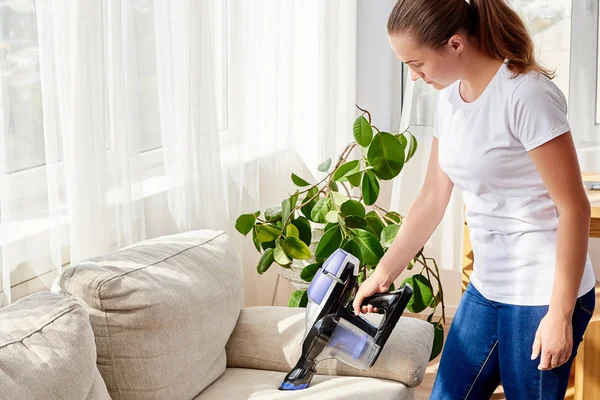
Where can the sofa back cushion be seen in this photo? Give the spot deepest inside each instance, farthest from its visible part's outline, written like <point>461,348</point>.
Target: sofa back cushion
<point>162,311</point>
<point>47,350</point>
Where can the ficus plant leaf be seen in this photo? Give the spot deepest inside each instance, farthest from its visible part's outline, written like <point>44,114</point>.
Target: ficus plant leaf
<point>299,298</point>
<point>299,181</point>
<point>267,233</point>
<point>386,156</point>
<point>309,271</point>
<point>363,132</point>
<point>320,210</point>
<point>265,261</point>
<point>422,293</point>
<point>324,166</point>
<point>245,223</point>
<point>304,229</point>
<point>370,188</point>
<point>370,247</point>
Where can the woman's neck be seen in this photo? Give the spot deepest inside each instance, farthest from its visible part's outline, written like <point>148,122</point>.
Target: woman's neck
<point>477,74</point>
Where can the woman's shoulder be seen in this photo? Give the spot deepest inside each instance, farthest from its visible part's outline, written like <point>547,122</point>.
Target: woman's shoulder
<point>533,85</point>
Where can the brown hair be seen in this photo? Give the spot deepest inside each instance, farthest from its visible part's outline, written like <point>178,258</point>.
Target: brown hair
<point>498,29</point>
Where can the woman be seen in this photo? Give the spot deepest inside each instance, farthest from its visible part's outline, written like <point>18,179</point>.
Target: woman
<point>503,138</point>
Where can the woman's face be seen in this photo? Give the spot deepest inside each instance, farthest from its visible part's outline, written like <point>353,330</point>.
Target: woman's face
<point>437,67</point>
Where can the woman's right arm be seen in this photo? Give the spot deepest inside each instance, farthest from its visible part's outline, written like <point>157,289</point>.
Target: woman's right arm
<point>423,216</point>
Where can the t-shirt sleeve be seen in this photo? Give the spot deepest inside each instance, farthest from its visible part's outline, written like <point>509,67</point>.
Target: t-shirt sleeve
<point>540,112</point>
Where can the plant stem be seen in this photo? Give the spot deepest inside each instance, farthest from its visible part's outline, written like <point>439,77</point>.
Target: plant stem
<point>424,263</point>
<point>365,111</point>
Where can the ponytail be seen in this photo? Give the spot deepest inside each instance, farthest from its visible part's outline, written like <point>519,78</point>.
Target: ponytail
<point>498,29</point>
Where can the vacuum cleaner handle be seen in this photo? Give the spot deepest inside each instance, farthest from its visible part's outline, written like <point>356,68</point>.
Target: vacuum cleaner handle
<point>392,305</point>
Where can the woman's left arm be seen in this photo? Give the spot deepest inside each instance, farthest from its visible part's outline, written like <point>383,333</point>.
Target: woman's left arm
<point>557,163</point>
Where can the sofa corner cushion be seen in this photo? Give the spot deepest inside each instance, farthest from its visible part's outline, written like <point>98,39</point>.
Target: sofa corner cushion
<point>162,311</point>
<point>47,350</point>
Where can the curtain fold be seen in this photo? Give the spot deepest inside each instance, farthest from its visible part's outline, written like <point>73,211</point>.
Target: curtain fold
<point>165,116</point>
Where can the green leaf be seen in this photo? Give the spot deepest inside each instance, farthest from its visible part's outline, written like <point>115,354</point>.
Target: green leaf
<point>438,341</point>
<point>330,242</point>
<point>324,166</point>
<point>307,208</point>
<point>267,233</point>
<point>436,300</point>
<point>393,215</point>
<point>412,147</point>
<point>363,132</point>
<point>334,186</point>
<point>374,223</point>
<point>280,257</point>
<point>346,169</point>
<point>292,231</point>
<point>294,199</point>
<point>370,248</point>
<point>403,141</point>
<point>354,221</point>
<point>392,287</point>
<point>273,213</point>
<point>267,245</point>
<point>353,248</point>
<point>422,293</point>
<point>245,223</point>
<point>286,209</point>
<point>353,207</point>
<point>338,198</point>
<point>320,210</point>
<point>308,272</point>
<point>299,181</point>
<point>370,188</point>
<point>332,216</point>
<point>355,178</point>
<point>299,298</point>
<point>296,248</point>
<point>255,240</point>
<point>304,229</point>
<point>265,261</point>
<point>388,234</point>
<point>386,156</point>
<point>329,226</point>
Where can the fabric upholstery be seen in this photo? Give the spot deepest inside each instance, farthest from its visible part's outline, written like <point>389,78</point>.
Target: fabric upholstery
<point>242,384</point>
<point>47,351</point>
<point>162,311</point>
<point>278,331</point>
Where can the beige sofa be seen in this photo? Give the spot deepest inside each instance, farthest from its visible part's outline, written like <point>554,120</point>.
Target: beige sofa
<point>163,319</point>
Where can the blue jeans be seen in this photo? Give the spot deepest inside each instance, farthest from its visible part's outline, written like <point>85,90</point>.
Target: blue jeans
<point>489,342</point>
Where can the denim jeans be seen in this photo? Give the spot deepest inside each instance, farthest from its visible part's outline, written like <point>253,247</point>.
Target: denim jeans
<point>490,342</point>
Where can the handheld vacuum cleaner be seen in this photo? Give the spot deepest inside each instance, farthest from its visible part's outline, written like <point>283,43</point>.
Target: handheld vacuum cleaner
<point>331,328</point>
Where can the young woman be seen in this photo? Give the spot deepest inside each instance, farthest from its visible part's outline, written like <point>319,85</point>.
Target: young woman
<point>502,137</point>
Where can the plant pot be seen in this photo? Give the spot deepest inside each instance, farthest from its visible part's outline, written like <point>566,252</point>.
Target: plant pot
<point>292,274</point>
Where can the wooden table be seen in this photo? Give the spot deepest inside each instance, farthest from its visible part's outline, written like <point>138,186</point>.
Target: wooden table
<point>585,375</point>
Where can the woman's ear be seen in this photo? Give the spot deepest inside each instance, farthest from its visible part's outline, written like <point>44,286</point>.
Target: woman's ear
<point>456,44</point>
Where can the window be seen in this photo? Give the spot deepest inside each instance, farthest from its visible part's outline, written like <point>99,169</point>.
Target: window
<point>22,128</point>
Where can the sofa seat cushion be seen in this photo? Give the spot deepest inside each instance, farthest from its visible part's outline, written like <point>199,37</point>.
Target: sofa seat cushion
<point>47,351</point>
<point>242,384</point>
<point>278,332</point>
<point>162,311</point>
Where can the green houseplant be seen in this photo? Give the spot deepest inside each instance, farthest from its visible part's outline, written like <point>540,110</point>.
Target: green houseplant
<point>318,218</point>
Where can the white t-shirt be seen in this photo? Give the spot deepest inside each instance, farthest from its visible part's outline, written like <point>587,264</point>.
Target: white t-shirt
<point>513,221</point>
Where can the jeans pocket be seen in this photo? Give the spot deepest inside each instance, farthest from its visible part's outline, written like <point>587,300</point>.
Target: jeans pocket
<point>587,303</point>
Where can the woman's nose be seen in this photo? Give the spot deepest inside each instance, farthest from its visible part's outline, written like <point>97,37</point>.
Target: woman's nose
<point>414,76</point>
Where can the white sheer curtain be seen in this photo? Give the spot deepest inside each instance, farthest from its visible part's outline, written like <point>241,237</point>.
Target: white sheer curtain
<point>165,116</point>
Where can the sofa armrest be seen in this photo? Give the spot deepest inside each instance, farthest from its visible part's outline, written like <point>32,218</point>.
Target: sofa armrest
<point>270,338</point>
